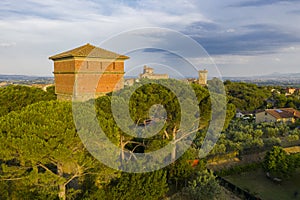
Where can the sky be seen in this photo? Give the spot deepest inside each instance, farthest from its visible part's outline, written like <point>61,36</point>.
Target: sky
<point>242,37</point>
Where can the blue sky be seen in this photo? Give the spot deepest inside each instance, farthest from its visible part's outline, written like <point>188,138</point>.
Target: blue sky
<point>242,37</point>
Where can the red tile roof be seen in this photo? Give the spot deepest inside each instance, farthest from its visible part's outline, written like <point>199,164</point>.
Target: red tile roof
<point>281,113</point>
<point>89,51</point>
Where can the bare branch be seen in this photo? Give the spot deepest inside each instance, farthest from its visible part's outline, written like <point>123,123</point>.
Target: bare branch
<point>12,179</point>
<point>70,179</point>
<point>186,135</point>
<point>166,134</point>
<point>137,147</point>
<point>47,169</point>
<point>131,142</point>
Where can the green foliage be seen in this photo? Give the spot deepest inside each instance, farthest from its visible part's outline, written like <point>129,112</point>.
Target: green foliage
<point>42,152</point>
<point>150,94</point>
<point>230,114</point>
<point>204,100</point>
<point>203,187</point>
<point>292,138</point>
<point>271,141</point>
<point>152,186</point>
<point>247,96</point>
<point>15,97</point>
<point>106,119</point>
<point>181,170</point>
<point>241,135</point>
<point>51,90</point>
<point>281,100</point>
<point>239,169</point>
<point>295,160</point>
<point>12,190</point>
<point>277,163</point>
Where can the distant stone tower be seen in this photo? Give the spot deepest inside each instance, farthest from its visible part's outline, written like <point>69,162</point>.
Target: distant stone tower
<point>202,77</point>
<point>148,70</point>
<point>95,71</point>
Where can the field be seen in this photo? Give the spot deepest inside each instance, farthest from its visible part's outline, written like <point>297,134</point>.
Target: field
<point>225,195</point>
<point>258,184</point>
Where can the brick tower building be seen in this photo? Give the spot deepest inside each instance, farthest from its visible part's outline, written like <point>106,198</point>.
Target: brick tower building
<point>95,72</point>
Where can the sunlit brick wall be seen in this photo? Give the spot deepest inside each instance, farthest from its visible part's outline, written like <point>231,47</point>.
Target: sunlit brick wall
<point>92,77</point>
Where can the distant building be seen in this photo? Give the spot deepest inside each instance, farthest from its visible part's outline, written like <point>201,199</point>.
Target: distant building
<point>244,115</point>
<point>149,73</point>
<point>290,91</point>
<point>129,82</point>
<point>275,91</point>
<point>2,84</point>
<point>96,72</point>
<point>202,77</point>
<point>239,115</point>
<point>191,80</point>
<point>285,115</point>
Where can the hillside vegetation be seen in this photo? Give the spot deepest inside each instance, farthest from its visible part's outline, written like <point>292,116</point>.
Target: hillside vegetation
<point>42,156</point>
<point>16,97</point>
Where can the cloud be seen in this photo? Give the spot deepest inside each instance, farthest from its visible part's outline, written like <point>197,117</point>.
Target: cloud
<point>296,12</point>
<point>248,40</point>
<point>201,26</point>
<point>8,44</point>
<point>257,3</point>
<point>43,28</point>
<point>67,10</point>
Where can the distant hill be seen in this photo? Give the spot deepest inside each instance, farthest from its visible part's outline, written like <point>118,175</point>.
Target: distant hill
<point>24,80</point>
<point>275,75</point>
<point>288,79</point>
<point>4,77</point>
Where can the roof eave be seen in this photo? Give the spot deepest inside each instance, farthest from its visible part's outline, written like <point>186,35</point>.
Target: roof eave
<point>60,57</point>
<point>67,57</point>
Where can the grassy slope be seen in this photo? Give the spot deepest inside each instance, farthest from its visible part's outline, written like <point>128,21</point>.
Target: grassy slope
<point>256,183</point>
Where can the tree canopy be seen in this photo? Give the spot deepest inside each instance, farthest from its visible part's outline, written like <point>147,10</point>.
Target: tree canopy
<point>16,97</point>
<point>276,162</point>
<point>42,156</point>
<point>247,96</point>
<point>41,152</point>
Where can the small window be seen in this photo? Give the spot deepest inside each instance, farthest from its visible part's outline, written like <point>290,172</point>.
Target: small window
<point>114,66</point>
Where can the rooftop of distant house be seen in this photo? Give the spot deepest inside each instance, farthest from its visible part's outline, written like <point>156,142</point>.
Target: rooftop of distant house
<point>281,113</point>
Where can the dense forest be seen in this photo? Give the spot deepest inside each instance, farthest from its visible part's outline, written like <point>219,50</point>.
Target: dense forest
<point>42,155</point>
<point>15,97</point>
<point>250,97</point>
